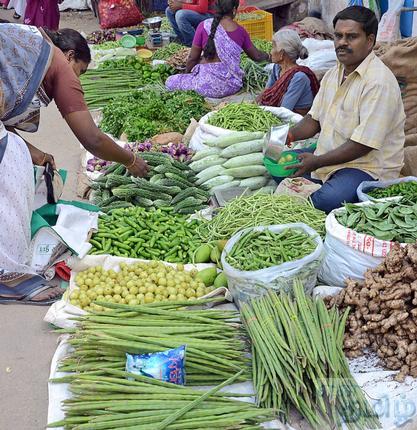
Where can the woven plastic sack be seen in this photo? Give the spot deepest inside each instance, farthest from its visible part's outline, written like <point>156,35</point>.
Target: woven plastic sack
<point>366,186</point>
<point>246,285</point>
<point>349,254</point>
<point>119,13</point>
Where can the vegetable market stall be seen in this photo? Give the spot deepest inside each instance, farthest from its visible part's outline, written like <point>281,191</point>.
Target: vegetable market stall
<point>160,255</point>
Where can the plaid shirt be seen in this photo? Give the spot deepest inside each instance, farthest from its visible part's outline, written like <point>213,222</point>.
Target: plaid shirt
<point>366,108</point>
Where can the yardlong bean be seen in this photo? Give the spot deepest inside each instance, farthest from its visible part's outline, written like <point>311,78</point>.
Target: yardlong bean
<point>260,209</point>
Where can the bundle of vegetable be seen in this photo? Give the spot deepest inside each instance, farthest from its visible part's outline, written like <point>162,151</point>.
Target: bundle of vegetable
<point>384,311</point>
<point>149,234</point>
<point>235,160</point>
<point>171,184</point>
<point>96,164</point>
<point>257,250</point>
<point>139,283</point>
<point>298,361</point>
<point>167,51</point>
<point>179,60</point>
<point>178,151</point>
<point>260,209</point>
<point>101,36</point>
<point>248,16</point>
<point>394,221</point>
<point>143,114</point>
<point>130,401</point>
<point>107,45</point>
<point>408,190</point>
<point>216,347</point>
<point>120,77</point>
<point>244,117</point>
<point>256,76</point>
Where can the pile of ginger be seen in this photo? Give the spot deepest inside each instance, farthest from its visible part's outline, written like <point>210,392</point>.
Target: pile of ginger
<point>383,312</point>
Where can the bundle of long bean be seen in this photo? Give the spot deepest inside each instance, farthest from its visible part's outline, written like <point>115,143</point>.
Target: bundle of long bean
<point>141,403</point>
<point>298,360</point>
<point>260,249</point>
<point>260,209</point>
<point>215,346</point>
<point>244,117</point>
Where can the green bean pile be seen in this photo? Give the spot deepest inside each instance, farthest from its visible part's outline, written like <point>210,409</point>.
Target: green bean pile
<point>152,235</point>
<point>215,345</point>
<point>244,117</point>
<point>407,190</point>
<point>257,250</point>
<point>298,361</point>
<point>393,221</point>
<point>260,209</point>
<point>114,402</point>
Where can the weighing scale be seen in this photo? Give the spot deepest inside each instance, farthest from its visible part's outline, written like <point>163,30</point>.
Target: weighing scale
<point>154,26</point>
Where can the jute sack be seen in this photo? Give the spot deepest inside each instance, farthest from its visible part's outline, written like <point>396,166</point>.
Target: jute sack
<point>401,59</point>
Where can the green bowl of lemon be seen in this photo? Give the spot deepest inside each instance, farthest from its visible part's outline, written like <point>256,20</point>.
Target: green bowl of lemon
<point>277,168</point>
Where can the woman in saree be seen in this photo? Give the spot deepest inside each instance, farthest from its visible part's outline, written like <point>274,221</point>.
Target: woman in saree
<point>290,85</point>
<point>42,13</point>
<point>221,40</point>
<point>37,68</point>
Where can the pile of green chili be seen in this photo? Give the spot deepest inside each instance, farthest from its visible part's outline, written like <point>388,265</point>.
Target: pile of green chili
<point>394,221</point>
<point>298,361</point>
<point>257,250</point>
<point>408,190</point>
<point>260,209</point>
<point>244,117</point>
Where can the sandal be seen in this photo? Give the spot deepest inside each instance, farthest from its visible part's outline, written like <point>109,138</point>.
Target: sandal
<point>28,299</point>
<point>16,16</point>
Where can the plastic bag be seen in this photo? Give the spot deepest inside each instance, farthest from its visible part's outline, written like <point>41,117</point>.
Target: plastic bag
<point>366,186</point>
<point>167,366</point>
<point>299,187</point>
<point>246,285</point>
<point>389,26</point>
<point>206,131</point>
<point>349,254</point>
<point>119,13</point>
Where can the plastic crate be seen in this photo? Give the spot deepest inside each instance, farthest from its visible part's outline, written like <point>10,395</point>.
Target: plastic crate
<point>258,28</point>
<point>159,5</point>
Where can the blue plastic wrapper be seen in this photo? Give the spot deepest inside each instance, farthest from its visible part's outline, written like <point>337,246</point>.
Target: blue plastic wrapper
<point>168,366</point>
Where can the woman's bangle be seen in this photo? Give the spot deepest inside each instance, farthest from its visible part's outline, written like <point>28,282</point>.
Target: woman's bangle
<point>133,162</point>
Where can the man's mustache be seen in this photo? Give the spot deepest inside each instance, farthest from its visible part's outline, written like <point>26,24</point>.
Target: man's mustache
<point>348,50</point>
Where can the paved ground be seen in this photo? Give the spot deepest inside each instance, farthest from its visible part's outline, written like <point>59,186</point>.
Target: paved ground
<point>26,342</point>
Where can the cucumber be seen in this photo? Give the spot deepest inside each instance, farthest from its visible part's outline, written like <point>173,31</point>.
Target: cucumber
<point>243,148</point>
<point>233,138</point>
<point>205,153</point>
<point>246,171</point>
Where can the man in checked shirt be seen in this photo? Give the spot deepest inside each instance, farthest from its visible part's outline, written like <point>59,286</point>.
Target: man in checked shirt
<point>359,114</point>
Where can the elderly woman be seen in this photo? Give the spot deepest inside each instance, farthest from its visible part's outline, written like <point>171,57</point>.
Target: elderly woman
<point>289,85</point>
<point>36,68</point>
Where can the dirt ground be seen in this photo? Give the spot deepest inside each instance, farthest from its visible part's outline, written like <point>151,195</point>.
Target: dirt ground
<point>26,342</point>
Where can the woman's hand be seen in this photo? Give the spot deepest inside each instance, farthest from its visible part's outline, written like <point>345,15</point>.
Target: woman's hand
<point>139,167</point>
<point>41,158</point>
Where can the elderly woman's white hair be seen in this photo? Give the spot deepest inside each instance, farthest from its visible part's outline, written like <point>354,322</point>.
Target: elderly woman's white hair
<point>290,42</point>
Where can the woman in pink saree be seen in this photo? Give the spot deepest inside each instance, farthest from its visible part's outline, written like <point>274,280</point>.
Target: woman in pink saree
<point>221,40</point>
<point>42,13</point>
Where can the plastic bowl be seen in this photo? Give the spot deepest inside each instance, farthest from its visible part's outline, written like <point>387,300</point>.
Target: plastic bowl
<point>128,41</point>
<point>278,169</point>
<point>144,53</point>
<point>140,40</point>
